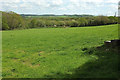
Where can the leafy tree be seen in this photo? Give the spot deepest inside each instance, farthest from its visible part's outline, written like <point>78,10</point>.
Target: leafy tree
<point>13,20</point>
<point>33,23</point>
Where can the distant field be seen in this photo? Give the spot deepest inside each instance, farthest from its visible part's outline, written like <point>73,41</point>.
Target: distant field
<point>58,52</point>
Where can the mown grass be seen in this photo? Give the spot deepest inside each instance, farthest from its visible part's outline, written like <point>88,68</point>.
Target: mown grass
<point>59,53</point>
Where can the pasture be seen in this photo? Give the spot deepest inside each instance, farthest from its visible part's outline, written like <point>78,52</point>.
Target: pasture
<point>59,53</point>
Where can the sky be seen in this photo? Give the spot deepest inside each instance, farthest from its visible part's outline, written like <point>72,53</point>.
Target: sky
<point>59,7</point>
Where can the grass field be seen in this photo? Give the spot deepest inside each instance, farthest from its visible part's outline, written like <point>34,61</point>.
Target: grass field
<point>59,53</point>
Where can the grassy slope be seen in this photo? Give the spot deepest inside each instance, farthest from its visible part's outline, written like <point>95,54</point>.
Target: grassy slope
<point>56,52</point>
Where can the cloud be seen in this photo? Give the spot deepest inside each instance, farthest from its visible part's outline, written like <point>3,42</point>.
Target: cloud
<point>10,1</point>
<point>57,2</point>
<point>60,6</point>
<point>60,1</point>
<point>112,1</point>
<point>95,1</point>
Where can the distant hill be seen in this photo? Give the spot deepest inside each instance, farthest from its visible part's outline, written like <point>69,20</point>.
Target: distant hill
<point>48,15</point>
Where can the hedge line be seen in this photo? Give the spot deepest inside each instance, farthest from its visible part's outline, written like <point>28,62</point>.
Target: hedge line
<point>11,20</point>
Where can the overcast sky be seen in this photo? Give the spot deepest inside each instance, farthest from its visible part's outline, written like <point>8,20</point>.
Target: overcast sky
<point>94,7</point>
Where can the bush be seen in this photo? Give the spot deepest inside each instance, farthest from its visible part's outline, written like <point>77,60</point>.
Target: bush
<point>5,26</point>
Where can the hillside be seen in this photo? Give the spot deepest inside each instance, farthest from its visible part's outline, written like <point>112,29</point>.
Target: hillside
<point>60,53</point>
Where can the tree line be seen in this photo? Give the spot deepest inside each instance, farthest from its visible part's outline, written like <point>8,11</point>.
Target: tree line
<point>11,20</point>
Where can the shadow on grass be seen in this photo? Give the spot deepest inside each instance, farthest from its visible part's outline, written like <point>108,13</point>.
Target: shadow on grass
<point>105,66</point>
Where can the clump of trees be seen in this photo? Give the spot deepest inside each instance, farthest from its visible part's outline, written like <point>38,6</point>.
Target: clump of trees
<point>11,20</point>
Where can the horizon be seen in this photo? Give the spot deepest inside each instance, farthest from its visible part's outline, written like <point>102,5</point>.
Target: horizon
<point>58,14</point>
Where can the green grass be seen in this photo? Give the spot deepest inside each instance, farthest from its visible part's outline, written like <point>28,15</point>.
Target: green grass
<point>58,52</point>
